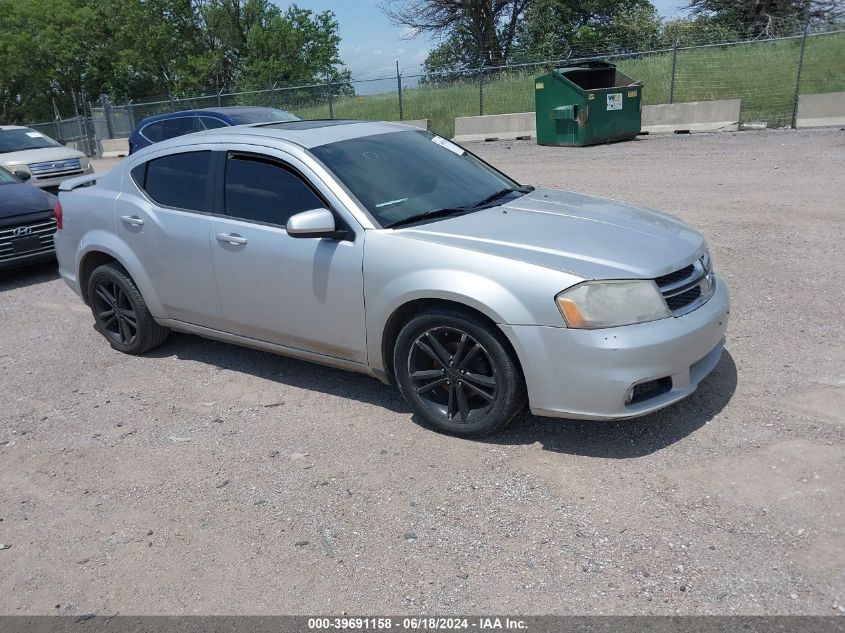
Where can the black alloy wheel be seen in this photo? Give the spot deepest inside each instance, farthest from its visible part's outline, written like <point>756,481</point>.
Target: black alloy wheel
<point>458,372</point>
<point>114,313</point>
<point>453,374</point>
<point>120,312</point>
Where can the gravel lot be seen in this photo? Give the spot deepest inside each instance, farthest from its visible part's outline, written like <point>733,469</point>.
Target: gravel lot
<point>207,478</point>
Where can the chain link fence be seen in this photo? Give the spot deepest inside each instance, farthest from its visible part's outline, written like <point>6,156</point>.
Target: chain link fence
<point>767,74</point>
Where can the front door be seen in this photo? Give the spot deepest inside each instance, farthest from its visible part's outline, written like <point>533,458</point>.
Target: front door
<point>302,293</point>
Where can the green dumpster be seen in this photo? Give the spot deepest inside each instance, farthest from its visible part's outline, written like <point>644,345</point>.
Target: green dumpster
<point>587,104</point>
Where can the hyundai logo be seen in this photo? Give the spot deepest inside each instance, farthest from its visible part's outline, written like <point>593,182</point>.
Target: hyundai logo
<point>22,230</point>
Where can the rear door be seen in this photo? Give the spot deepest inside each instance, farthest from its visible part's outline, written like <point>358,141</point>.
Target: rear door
<point>301,293</point>
<point>163,223</point>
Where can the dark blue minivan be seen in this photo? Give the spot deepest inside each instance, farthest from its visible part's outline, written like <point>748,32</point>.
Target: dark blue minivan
<point>164,126</point>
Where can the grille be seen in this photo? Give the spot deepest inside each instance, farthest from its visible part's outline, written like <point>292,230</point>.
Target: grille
<point>651,389</point>
<point>682,300</point>
<point>686,289</point>
<point>54,168</point>
<point>41,230</point>
<point>676,276</point>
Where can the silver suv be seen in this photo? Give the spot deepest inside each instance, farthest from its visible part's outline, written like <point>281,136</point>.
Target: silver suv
<point>387,250</point>
<point>35,157</point>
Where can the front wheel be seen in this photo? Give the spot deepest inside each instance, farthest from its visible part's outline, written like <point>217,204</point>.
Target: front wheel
<point>457,373</point>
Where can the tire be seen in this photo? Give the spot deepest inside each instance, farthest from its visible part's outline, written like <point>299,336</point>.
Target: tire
<point>120,312</point>
<point>457,373</point>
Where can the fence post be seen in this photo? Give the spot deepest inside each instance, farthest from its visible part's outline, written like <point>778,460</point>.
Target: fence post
<point>273,95</point>
<point>797,95</point>
<point>107,112</point>
<point>399,92</point>
<point>674,68</point>
<point>91,135</point>
<point>481,91</point>
<point>331,100</point>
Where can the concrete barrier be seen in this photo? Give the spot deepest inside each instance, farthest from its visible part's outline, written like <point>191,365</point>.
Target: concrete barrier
<point>495,127</point>
<point>111,147</point>
<point>420,123</point>
<point>821,110</point>
<point>694,116</point>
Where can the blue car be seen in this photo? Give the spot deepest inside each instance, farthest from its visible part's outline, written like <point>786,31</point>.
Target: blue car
<point>164,126</point>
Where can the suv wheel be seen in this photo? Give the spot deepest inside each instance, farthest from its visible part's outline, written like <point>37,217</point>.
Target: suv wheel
<point>120,312</point>
<point>457,374</point>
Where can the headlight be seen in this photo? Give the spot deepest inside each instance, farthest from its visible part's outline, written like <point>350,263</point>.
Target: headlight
<point>598,304</point>
<point>84,162</point>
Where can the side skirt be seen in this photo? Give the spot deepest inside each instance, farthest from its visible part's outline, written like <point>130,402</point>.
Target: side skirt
<point>226,337</point>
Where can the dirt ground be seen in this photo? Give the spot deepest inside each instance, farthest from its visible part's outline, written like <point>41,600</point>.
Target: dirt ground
<point>206,478</point>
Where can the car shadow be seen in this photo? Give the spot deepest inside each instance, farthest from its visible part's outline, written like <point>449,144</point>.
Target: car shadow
<point>282,369</point>
<point>625,439</point>
<point>28,276</point>
<point>616,440</point>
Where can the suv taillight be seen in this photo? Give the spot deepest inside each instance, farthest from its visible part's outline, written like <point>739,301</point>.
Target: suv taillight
<point>57,213</point>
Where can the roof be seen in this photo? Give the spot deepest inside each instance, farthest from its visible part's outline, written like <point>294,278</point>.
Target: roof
<point>13,127</point>
<point>306,134</point>
<point>223,110</point>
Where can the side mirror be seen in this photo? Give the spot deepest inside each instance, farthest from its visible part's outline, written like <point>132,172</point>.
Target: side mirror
<point>61,141</point>
<point>23,175</point>
<point>314,223</point>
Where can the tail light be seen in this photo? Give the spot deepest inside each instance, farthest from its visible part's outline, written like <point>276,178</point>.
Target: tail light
<point>57,213</point>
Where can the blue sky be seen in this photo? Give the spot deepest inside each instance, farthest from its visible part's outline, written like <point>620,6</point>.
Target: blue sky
<point>370,45</point>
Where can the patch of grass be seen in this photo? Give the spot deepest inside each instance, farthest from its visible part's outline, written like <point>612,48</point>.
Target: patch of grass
<point>762,74</point>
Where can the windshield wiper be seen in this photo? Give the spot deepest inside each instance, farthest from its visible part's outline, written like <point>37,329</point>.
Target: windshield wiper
<point>501,194</point>
<point>441,213</point>
<point>435,213</point>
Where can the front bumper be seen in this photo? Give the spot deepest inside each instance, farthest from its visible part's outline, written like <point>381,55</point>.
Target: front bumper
<point>586,373</point>
<point>28,259</point>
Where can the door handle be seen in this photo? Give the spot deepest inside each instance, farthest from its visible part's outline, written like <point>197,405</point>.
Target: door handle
<point>230,238</point>
<point>132,220</point>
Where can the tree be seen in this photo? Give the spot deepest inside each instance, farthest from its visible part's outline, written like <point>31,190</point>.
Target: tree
<point>767,18</point>
<point>56,53</point>
<point>554,29</point>
<point>297,47</point>
<point>472,32</point>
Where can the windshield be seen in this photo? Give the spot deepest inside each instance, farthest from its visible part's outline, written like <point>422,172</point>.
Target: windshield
<point>260,115</point>
<point>399,175</point>
<point>20,139</point>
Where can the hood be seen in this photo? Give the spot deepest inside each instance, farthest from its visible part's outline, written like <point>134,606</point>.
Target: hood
<point>590,237</point>
<point>40,155</point>
<point>19,198</point>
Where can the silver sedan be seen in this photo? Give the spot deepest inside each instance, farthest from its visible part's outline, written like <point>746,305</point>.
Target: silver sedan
<point>387,250</point>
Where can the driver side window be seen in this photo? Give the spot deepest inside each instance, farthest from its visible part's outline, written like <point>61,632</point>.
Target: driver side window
<point>262,190</point>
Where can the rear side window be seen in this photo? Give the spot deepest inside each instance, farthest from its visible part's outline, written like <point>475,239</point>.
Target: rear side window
<point>179,126</point>
<point>177,180</point>
<point>153,131</point>
<point>210,123</point>
<point>264,191</point>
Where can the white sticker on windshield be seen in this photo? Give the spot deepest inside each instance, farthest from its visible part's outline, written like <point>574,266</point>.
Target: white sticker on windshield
<point>442,142</point>
<point>34,134</point>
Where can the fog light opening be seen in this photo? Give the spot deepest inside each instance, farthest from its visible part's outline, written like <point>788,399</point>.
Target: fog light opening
<point>642,391</point>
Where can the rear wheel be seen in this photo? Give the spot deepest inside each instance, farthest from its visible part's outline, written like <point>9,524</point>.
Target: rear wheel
<point>458,374</point>
<point>120,312</point>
